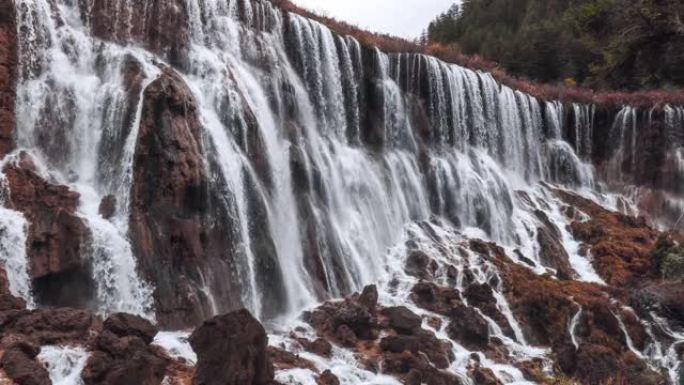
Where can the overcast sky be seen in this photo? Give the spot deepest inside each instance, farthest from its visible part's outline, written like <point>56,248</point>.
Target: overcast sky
<point>405,18</point>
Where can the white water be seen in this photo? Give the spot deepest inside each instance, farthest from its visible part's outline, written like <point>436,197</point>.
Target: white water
<point>64,363</point>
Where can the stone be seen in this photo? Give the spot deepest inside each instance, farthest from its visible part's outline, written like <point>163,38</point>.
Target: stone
<point>231,350</point>
<point>402,319</point>
<point>23,369</point>
<point>124,325</point>
<point>107,207</point>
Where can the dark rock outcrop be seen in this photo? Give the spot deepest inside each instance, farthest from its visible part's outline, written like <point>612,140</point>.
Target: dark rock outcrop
<point>8,75</point>
<point>551,251</point>
<point>161,26</point>
<point>57,237</point>
<point>121,354</point>
<point>401,319</point>
<point>231,350</point>
<point>107,207</point>
<point>179,228</point>
<point>49,326</point>
<point>21,366</point>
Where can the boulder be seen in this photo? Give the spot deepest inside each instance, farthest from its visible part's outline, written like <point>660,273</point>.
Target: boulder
<point>484,376</point>
<point>402,319</point>
<point>50,326</point>
<point>23,368</point>
<point>107,207</point>
<point>232,350</point>
<point>327,378</point>
<point>126,325</point>
<point>319,346</point>
<point>467,327</point>
<point>420,265</point>
<point>121,354</point>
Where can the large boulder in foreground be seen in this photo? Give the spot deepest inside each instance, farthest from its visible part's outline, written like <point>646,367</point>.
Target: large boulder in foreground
<point>121,354</point>
<point>232,350</point>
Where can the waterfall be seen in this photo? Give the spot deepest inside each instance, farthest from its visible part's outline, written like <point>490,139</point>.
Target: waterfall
<point>72,106</point>
<point>292,142</point>
<point>323,161</point>
<point>64,364</point>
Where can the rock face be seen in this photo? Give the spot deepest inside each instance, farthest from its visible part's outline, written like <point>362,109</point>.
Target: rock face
<point>231,350</point>
<point>178,227</point>
<point>8,75</point>
<point>160,25</point>
<point>57,237</point>
<point>121,354</point>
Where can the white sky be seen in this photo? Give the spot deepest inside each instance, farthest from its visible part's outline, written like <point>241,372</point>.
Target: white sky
<point>405,18</point>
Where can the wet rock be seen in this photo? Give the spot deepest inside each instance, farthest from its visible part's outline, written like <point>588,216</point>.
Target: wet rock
<point>417,370</point>
<point>179,227</point>
<point>402,319</point>
<point>484,376</point>
<point>551,250</point>
<point>346,336</point>
<point>127,325</point>
<point>107,207</point>
<point>7,300</point>
<point>319,346</point>
<point>434,298</point>
<point>121,354</point>
<point>667,299</point>
<point>161,26</point>
<point>284,360</point>
<point>23,368</point>
<point>327,378</point>
<point>482,297</point>
<point>57,237</point>
<point>8,76</point>
<point>27,345</point>
<point>126,360</point>
<point>50,326</point>
<point>231,350</point>
<point>467,327</point>
<point>369,297</point>
<point>438,351</point>
<point>420,265</point>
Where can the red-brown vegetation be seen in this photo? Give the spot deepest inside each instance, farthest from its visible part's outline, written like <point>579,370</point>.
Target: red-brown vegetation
<point>620,245</point>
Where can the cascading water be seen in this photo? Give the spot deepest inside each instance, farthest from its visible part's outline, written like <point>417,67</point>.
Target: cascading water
<point>329,157</point>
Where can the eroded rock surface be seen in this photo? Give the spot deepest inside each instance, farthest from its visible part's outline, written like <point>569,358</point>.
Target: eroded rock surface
<point>231,350</point>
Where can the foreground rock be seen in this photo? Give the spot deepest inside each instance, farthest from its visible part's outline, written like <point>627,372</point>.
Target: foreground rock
<point>20,364</point>
<point>121,354</point>
<point>232,350</point>
<point>389,339</point>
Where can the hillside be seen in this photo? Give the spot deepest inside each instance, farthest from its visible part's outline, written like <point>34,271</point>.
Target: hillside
<point>616,44</point>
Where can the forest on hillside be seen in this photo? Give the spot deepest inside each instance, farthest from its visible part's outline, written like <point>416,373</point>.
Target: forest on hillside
<point>617,44</point>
